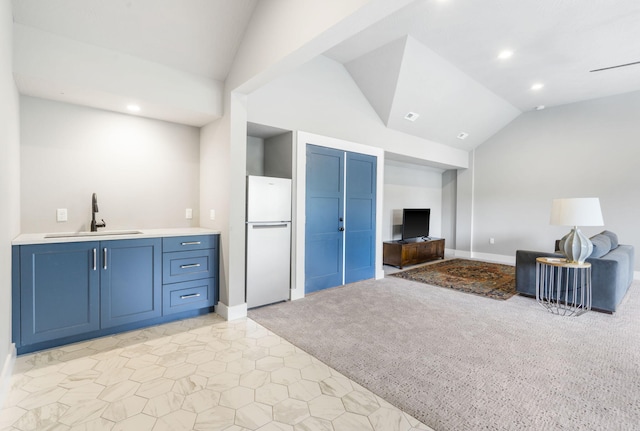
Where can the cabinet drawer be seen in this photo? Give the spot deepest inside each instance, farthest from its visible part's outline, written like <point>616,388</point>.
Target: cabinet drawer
<point>190,295</point>
<point>185,243</point>
<point>187,265</point>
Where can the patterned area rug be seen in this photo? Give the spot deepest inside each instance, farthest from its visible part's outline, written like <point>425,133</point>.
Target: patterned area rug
<point>492,280</point>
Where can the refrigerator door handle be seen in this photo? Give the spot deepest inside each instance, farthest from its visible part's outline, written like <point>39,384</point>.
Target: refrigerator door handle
<point>269,225</point>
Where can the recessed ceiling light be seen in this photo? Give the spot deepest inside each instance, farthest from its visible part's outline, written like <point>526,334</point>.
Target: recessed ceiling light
<point>504,54</point>
<point>462,135</point>
<point>537,86</point>
<point>411,116</point>
<point>540,107</point>
<point>133,108</point>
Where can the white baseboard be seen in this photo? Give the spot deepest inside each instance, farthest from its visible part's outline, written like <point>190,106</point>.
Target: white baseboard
<point>498,258</point>
<point>231,313</point>
<point>457,253</point>
<point>297,294</point>
<point>7,370</point>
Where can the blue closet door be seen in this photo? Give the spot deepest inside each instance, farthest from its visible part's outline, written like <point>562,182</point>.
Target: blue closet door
<point>324,212</point>
<point>340,219</point>
<point>360,227</point>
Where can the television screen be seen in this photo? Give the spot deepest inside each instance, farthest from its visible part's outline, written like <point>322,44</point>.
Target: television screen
<point>415,223</point>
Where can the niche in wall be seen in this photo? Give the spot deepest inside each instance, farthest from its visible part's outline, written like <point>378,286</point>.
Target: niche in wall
<point>408,183</point>
<point>269,151</point>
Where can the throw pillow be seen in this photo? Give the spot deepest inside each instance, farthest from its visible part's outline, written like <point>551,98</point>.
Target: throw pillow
<point>601,245</point>
<point>612,236</point>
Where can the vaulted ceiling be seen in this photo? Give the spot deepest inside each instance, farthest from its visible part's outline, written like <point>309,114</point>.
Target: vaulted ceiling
<point>435,58</point>
<point>439,59</point>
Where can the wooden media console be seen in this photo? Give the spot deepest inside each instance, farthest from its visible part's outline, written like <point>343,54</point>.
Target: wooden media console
<point>401,253</point>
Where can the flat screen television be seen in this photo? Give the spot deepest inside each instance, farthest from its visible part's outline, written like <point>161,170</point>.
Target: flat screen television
<point>415,223</point>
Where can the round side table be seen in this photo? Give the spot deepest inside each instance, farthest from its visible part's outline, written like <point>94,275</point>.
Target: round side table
<point>563,288</point>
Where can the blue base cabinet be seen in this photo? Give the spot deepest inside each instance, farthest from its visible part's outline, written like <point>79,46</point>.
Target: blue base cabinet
<point>67,292</point>
<point>130,281</point>
<point>189,272</point>
<point>59,291</point>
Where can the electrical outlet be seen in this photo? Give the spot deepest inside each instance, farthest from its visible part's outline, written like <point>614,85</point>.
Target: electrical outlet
<point>492,241</point>
<point>61,214</point>
<point>188,213</point>
<point>212,214</point>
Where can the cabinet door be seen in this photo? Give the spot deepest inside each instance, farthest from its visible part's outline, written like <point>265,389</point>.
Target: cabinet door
<point>360,233</point>
<point>130,281</point>
<point>324,237</point>
<point>427,251</point>
<point>59,291</point>
<point>409,254</point>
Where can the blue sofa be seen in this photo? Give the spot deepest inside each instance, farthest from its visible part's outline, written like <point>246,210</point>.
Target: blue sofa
<point>611,271</point>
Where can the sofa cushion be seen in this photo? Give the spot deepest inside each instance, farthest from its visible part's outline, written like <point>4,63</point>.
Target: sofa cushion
<point>612,236</point>
<point>601,245</point>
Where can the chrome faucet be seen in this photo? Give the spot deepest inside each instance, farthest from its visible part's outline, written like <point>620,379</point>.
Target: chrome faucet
<point>94,210</point>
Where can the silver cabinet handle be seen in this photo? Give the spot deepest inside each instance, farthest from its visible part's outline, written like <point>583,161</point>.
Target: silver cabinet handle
<point>104,258</point>
<point>191,295</point>
<point>95,263</point>
<point>191,265</point>
<point>190,243</point>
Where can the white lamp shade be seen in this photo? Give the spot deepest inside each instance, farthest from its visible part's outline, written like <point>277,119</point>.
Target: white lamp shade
<point>576,212</point>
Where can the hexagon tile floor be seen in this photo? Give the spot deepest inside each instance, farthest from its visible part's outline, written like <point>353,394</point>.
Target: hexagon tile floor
<point>196,374</point>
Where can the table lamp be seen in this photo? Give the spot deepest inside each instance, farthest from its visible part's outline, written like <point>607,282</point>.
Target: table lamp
<point>576,212</point>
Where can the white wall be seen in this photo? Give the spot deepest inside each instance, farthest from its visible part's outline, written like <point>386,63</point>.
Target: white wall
<point>464,206</point>
<point>321,97</point>
<point>408,185</point>
<point>262,56</point>
<point>578,150</point>
<point>145,172</point>
<point>255,156</point>
<point>278,156</point>
<point>223,170</point>
<point>9,188</point>
<point>214,181</point>
<point>449,207</point>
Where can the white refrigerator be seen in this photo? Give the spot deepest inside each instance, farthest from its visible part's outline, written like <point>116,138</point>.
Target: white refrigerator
<point>268,277</point>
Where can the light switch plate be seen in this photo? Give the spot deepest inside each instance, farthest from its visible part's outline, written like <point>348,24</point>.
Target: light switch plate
<point>61,214</point>
<point>212,214</point>
<point>188,213</point>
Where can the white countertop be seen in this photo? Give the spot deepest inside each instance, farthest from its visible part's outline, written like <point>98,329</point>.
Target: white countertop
<point>59,237</point>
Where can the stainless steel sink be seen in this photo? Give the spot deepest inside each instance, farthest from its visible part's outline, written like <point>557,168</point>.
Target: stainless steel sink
<point>83,234</point>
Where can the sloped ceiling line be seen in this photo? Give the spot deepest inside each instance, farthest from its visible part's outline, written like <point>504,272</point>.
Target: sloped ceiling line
<point>406,76</point>
<point>377,74</point>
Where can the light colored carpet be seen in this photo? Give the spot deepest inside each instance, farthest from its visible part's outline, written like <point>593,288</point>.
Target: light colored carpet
<point>463,362</point>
